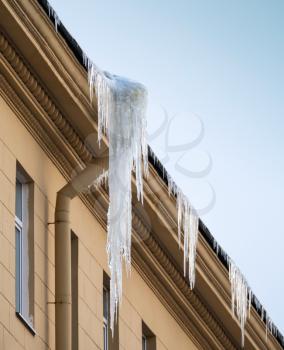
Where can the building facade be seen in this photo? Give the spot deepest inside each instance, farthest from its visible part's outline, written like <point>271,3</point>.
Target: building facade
<point>48,133</point>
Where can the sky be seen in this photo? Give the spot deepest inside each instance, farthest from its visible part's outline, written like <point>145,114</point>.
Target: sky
<point>215,75</point>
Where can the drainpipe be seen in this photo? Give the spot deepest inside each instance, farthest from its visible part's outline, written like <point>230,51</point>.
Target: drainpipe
<point>63,299</point>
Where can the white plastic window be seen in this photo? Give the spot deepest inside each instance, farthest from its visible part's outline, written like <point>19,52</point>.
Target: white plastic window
<point>24,251</point>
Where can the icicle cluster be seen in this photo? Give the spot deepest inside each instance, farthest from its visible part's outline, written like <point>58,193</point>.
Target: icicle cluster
<point>52,13</point>
<point>188,223</point>
<point>122,117</point>
<point>269,326</point>
<point>100,180</point>
<point>242,302</point>
<point>241,296</point>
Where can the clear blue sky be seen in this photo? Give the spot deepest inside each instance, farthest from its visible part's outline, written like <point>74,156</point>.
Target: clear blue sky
<point>223,61</point>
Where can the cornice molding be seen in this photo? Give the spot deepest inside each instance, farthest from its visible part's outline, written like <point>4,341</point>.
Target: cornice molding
<point>26,117</point>
<point>43,99</point>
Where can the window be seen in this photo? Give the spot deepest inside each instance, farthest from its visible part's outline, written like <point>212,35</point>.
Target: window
<point>110,342</point>
<point>74,281</point>
<point>148,338</point>
<point>24,226</point>
<point>106,317</point>
<point>144,342</point>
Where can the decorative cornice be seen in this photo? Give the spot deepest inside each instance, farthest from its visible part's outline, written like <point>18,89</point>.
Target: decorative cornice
<point>43,99</point>
<point>33,126</point>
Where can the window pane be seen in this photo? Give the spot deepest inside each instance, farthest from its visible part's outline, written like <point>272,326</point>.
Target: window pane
<point>19,200</point>
<point>27,272</point>
<point>106,301</point>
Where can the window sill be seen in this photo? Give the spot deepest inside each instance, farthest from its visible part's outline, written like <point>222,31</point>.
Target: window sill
<point>26,323</point>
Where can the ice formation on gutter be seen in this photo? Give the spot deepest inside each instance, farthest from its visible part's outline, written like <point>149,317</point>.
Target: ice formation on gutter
<point>241,295</point>
<point>100,181</point>
<point>269,326</point>
<point>52,13</point>
<point>188,223</point>
<point>122,117</point>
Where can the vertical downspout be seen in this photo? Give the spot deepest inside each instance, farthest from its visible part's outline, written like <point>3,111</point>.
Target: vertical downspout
<point>63,290</point>
<point>63,311</point>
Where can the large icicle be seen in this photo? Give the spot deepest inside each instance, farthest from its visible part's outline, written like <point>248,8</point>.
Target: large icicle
<point>122,116</point>
<point>241,296</point>
<point>188,223</point>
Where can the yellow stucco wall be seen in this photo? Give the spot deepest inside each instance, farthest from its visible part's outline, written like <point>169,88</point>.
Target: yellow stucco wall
<point>139,302</point>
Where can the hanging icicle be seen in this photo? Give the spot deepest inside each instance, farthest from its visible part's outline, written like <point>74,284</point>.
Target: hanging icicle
<point>52,13</point>
<point>242,301</point>
<point>188,223</point>
<point>122,117</point>
<point>269,326</point>
<point>241,296</point>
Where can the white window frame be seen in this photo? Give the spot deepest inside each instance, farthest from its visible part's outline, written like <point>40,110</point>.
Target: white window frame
<point>19,251</point>
<point>19,232</point>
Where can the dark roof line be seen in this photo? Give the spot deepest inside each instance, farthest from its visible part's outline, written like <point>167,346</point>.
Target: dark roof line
<point>219,251</point>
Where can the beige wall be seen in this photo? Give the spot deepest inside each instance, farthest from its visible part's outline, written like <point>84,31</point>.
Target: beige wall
<point>139,302</point>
